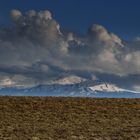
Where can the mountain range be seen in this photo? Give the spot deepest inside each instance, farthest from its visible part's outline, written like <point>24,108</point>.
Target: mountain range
<point>73,86</point>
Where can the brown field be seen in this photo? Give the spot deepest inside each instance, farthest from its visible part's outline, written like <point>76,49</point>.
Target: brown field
<point>50,118</point>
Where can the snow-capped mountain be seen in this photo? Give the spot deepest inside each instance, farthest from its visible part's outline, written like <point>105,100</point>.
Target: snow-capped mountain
<point>68,85</point>
<point>106,90</point>
<point>105,87</point>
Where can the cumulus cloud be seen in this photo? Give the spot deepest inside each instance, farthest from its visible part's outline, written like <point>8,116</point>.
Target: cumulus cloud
<point>16,15</point>
<point>41,28</point>
<point>98,33</point>
<point>35,47</point>
<point>103,51</point>
<point>35,36</point>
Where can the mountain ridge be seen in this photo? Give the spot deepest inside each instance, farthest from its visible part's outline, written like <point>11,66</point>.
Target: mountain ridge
<point>73,90</point>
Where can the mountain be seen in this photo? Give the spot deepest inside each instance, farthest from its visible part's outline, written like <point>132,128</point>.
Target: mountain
<point>104,90</point>
<point>105,87</point>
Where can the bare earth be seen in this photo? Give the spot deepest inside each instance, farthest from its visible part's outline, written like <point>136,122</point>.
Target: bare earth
<point>51,118</point>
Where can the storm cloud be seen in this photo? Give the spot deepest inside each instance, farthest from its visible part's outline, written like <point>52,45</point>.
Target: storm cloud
<point>35,49</point>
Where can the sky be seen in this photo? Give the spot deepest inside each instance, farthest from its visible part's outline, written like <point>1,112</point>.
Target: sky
<point>120,17</point>
<point>48,40</point>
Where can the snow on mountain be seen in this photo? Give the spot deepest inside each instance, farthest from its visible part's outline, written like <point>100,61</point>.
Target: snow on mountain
<point>106,88</point>
<point>71,90</point>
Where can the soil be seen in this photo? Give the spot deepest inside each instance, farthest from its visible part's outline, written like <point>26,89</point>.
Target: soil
<point>60,118</point>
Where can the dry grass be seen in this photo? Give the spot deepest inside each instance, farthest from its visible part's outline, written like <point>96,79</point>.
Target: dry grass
<point>50,118</point>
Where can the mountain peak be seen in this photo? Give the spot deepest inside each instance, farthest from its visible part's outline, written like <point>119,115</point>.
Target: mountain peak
<point>105,87</point>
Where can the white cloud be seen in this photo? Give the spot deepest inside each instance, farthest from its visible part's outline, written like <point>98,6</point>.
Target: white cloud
<point>137,88</point>
<point>16,14</point>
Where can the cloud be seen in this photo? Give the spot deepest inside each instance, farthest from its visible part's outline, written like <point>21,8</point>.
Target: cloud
<point>35,36</point>
<point>16,15</point>
<point>103,51</point>
<point>41,28</point>
<point>98,33</point>
<point>34,47</point>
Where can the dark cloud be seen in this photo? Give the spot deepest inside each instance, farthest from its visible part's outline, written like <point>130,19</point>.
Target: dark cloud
<point>34,49</point>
